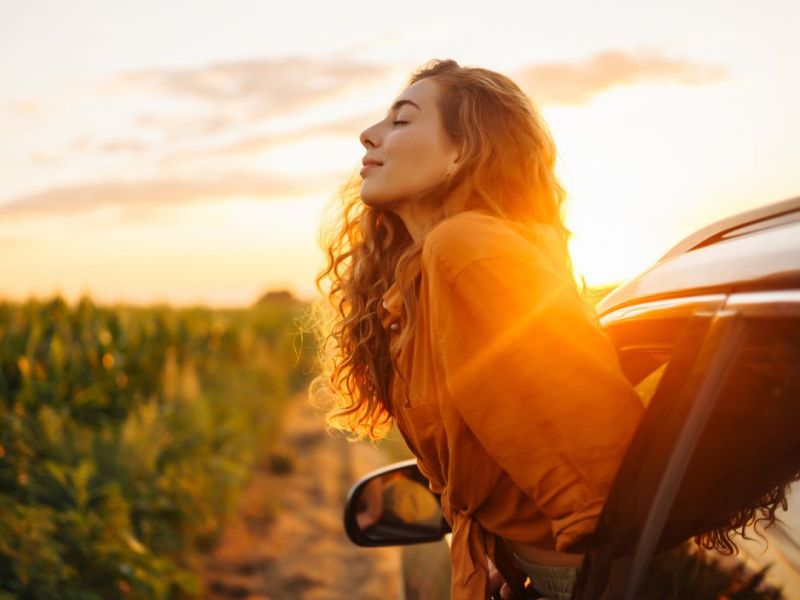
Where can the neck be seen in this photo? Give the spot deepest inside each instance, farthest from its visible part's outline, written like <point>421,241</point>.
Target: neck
<point>419,217</point>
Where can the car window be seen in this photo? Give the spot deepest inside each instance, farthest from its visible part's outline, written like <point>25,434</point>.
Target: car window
<point>753,429</point>
<point>752,439</point>
<point>747,451</point>
<point>645,337</point>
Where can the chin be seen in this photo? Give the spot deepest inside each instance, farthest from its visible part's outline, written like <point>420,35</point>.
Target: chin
<point>370,201</point>
<point>375,200</point>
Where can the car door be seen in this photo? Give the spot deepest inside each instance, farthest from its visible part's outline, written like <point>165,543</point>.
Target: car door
<point>719,437</point>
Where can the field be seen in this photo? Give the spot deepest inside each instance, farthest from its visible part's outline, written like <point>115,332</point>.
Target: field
<point>126,435</point>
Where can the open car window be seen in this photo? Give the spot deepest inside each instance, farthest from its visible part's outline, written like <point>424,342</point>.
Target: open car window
<point>721,436</point>
<point>753,436</point>
<point>646,336</point>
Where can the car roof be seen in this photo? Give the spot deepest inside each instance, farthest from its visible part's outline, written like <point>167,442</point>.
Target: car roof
<point>755,249</point>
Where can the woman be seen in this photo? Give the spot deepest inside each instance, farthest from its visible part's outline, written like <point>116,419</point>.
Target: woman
<point>458,318</point>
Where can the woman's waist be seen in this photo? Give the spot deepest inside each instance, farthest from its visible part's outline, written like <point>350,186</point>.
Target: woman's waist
<point>544,556</point>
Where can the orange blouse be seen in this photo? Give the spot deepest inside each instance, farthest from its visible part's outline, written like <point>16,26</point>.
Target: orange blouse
<point>517,408</point>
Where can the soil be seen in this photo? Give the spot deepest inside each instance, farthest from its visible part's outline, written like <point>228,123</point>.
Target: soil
<point>286,539</point>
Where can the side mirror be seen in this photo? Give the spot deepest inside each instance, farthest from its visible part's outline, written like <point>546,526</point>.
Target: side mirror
<point>394,506</point>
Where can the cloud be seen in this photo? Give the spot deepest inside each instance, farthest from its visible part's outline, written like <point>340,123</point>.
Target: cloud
<point>169,128</point>
<point>176,127</point>
<point>576,83</point>
<point>349,127</point>
<point>237,98</point>
<point>120,145</point>
<point>231,98</point>
<point>269,86</point>
<point>554,83</point>
<point>264,86</point>
<point>148,196</point>
<point>111,146</point>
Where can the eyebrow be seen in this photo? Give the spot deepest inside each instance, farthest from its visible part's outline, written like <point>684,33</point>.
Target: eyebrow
<point>400,103</point>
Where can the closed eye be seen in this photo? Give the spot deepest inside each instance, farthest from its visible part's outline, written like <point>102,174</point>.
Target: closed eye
<point>398,122</point>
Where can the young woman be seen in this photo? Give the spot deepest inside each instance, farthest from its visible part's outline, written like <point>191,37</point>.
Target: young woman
<point>458,318</point>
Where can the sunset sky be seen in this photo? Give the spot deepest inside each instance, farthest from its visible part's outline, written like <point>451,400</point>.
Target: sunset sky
<point>183,152</point>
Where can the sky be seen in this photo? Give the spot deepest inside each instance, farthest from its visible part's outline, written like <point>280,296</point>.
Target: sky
<point>184,153</point>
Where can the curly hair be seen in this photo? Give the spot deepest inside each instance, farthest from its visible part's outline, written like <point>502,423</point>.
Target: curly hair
<point>722,537</point>
<point>507,169</point>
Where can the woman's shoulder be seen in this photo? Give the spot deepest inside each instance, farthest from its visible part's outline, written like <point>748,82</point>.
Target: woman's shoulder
<point>469,236</point>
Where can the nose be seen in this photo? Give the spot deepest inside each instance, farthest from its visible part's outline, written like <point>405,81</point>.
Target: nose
<point>367,137</point>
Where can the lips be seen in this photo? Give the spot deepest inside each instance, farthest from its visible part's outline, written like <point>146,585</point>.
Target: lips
<point>369,163</point>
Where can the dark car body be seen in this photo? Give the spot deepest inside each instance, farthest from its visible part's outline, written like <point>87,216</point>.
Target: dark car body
<point>710,337</point>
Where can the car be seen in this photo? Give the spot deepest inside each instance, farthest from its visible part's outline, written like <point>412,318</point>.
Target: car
<point>710,337</point>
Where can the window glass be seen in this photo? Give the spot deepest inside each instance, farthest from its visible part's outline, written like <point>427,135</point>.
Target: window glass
<point>745,461</point>
<point>751,446</point>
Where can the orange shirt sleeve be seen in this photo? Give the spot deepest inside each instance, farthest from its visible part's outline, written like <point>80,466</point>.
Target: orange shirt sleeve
<point>531,374</point>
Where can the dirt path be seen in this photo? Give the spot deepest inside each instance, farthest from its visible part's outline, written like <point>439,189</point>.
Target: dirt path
<point>287,540</point>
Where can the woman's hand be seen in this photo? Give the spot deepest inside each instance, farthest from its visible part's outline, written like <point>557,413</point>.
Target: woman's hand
<point>497,585</point>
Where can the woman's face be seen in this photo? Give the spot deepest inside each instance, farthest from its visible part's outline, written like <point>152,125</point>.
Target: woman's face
<point>410,143</point>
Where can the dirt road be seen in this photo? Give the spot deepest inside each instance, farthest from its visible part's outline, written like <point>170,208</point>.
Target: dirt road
<point>286,540</point>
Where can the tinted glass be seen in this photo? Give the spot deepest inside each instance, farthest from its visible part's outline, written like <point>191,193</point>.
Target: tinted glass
<point>746,460</point>
<point>752,437</point>
<point>751,447</point>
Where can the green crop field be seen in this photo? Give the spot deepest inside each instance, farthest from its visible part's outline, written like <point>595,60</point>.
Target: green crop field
<point>125,435</point>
